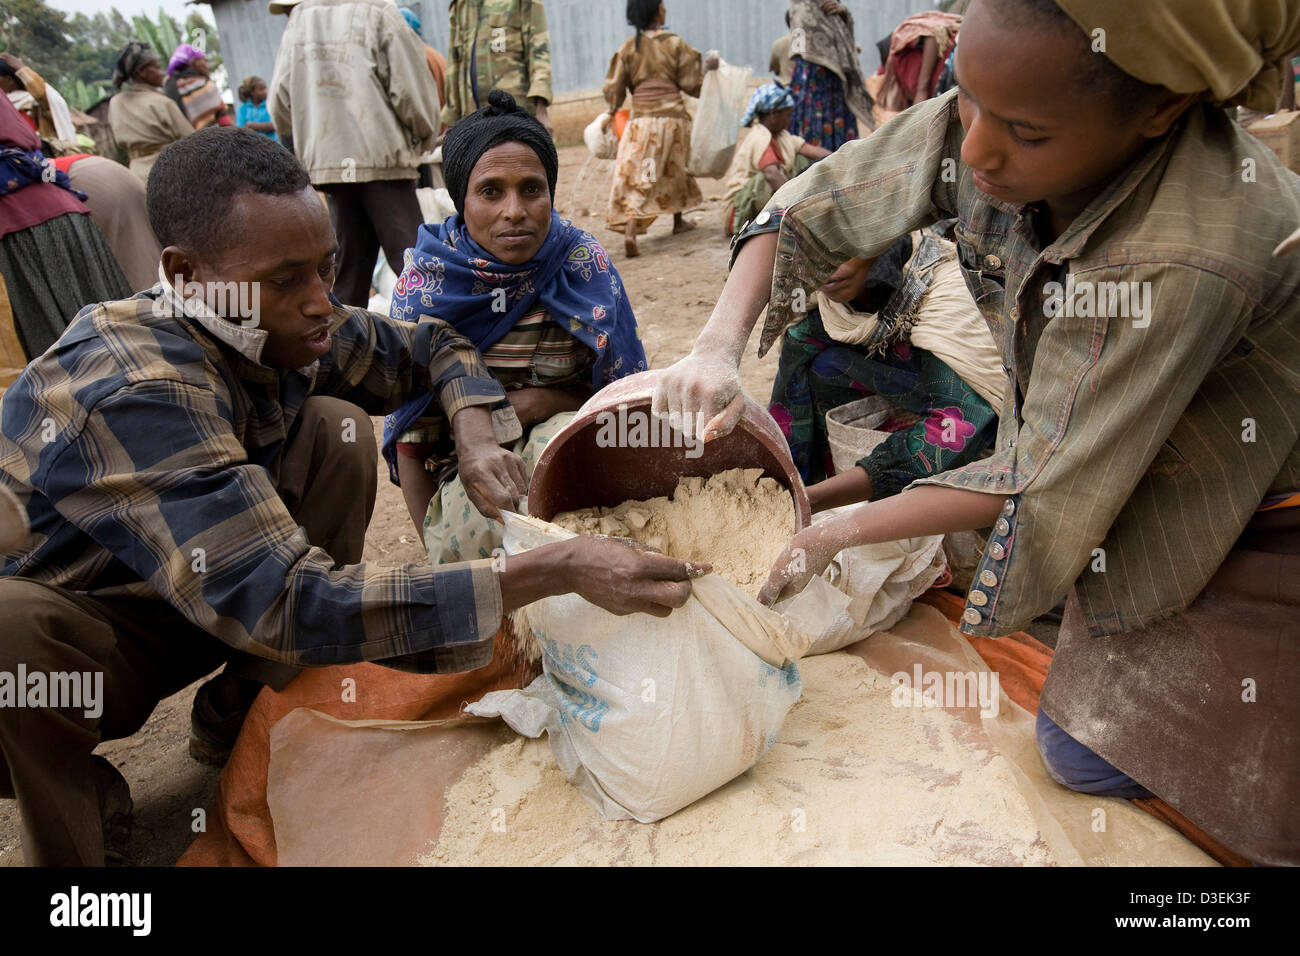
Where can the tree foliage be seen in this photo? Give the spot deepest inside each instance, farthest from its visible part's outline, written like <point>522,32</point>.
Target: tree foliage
<point>76,52</point>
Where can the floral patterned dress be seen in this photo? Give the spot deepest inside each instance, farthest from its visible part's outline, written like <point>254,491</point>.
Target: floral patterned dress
<point>821,113</point>
<point>942,422</point>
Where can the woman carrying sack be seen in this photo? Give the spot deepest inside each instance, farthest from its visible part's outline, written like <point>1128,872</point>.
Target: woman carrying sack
<point>650,177</point>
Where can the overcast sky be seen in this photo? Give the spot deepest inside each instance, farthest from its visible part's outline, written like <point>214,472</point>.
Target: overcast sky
<point>129,8</point>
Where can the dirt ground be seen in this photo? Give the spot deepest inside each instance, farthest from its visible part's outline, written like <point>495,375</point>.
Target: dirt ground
<point>673,285</point>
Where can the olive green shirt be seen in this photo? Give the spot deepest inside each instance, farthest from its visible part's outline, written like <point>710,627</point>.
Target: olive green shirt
<point>496,45</point>
<point>1136,442</point>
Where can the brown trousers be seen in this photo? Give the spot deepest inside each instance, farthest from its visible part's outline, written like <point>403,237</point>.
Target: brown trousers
<point>146,650</point>
<point>366,216</point>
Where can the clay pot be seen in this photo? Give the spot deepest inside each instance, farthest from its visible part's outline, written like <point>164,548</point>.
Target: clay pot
<point>580,468</point>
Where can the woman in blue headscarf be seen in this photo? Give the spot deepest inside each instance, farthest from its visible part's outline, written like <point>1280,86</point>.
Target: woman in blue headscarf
<point>537,296</point>
<point>766,159</point>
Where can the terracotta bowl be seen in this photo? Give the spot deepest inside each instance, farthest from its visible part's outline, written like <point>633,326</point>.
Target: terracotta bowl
<point>580,468</point>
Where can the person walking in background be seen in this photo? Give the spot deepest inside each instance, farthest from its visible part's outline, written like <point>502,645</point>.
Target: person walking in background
<point>143,118</point>
<point>189,83</point>
<point>831,104</point>
<point>253,111</point>
<point>352,86</point>
<point>53,259</point>
<point>115,198</point>
<point>650,177</point>
<point>116,202</point>
<point>497,45</point>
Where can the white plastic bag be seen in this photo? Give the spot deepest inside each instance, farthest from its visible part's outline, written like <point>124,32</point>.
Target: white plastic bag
<point>716,128</point>
<point>599,137</point>
<point>645,715</point>
<point>865,589</point>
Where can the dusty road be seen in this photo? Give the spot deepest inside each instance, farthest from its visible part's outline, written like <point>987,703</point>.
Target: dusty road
<point>673,285</point>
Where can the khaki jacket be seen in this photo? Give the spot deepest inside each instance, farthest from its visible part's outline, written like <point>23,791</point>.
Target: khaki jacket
<point>352,86</point>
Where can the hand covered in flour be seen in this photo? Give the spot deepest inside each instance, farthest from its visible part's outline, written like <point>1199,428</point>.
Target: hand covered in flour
<point>493,476</point>
<point>628,578</point>
<point>700,395</point>
<point>803,559</point>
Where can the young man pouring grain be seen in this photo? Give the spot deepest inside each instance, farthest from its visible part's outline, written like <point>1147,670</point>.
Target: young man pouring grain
<point>198,469</point>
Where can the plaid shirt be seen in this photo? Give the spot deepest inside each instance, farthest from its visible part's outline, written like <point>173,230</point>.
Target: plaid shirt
<point>1131,452</point>
<point>141,436</point>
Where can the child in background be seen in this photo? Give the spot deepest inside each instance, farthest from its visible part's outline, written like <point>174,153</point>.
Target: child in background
<point>253,111</point>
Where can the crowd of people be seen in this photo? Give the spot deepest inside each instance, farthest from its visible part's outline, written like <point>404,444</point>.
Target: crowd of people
<point>189,502</point>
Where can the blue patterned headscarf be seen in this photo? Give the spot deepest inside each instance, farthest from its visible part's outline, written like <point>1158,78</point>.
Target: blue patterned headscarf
<point>766,99</point>
<point>448,275</point>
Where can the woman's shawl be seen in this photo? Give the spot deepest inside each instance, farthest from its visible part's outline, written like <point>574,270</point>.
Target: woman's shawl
<point>449,276</point>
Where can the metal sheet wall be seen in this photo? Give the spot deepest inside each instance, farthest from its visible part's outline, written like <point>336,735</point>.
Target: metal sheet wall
<point>584,33</point>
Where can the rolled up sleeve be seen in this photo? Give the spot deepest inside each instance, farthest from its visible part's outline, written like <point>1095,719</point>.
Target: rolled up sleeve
<point>379,363</point>
<point>858,201</point>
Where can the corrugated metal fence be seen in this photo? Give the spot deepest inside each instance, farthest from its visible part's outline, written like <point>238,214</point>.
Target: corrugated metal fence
<point>585,33</point>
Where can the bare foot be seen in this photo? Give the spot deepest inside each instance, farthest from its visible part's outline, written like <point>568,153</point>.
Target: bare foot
<point>681,224</point>
<point>629,240</point>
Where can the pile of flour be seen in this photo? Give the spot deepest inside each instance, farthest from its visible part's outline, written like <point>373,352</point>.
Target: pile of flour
<point>851,780</point>
<point>736,520</point>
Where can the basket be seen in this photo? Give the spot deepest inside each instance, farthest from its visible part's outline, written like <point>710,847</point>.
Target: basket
<point>853,429</point>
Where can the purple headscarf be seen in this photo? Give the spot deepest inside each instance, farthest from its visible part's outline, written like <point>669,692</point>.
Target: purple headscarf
<point>185,54</point>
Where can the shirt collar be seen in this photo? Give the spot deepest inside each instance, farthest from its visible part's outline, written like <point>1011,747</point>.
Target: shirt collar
<point>1069,244</point>
<point>245,340</point>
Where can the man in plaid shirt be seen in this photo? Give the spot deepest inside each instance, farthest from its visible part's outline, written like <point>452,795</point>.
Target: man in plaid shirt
<point>198,469</point>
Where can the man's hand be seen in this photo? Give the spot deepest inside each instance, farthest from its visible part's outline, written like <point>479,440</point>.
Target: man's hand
<point>700,395</point>
<point>627,580</point>
<point>832,8</point>
<point>493,476</point>
<point>14,63</point>
<point>543,115</point>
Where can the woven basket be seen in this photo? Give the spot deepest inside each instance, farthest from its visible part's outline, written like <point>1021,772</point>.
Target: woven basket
<point>853,429</point>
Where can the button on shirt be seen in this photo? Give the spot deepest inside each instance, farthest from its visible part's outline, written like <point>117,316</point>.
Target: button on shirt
<point>145,433</point>
<point>1151,436</point>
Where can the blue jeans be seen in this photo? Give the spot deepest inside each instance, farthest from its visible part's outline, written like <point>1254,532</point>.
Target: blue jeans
<point>1073,765</point>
